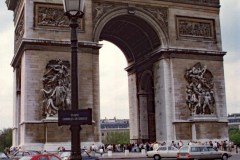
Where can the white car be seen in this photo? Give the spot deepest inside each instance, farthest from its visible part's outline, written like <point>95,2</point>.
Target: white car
<point>163,152</point>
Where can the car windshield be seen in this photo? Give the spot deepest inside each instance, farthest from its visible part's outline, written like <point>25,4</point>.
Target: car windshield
<point>162,148</point>
<point>34,152</point>
<point>65,154</point>
<point>26,158</point>
<point>68,153</point>
<point>172,148</point>
<point>211,149</point>
<point>184,149</point>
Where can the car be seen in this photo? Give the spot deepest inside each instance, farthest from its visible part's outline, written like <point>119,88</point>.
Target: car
<point>163,152</point>
<point>3,156</point>
<point>203,152</point>
<point>65,155</point>
<point>19,154</point>
<point>41,157</point>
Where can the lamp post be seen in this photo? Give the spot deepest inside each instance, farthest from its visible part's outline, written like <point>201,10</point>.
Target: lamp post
<point>74,10</point>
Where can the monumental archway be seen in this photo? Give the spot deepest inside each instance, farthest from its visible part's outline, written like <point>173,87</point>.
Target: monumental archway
<point>175,69</point>
<point>137,34</point>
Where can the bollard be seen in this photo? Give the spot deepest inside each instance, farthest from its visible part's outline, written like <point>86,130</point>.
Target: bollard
<point>93,153</point>
<point>109,153</point>
<point>143,151</point>
<point>126,152</point>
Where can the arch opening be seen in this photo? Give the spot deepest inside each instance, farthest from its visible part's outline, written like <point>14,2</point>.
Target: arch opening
<point>136,38</point>
<point>113,83</point>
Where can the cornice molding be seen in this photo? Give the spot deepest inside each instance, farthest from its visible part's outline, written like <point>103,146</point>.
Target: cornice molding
<point>210,3</point>
<point>175,53</point>
<point>49,45</point>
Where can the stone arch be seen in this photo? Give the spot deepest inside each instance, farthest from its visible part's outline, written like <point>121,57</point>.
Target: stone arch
<point>146,33</point>
<point>157,25</point>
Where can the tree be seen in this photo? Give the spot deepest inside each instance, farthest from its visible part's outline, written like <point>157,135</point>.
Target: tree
<point>117,138</point>
<point>5,139</point>
<point>234,135</point>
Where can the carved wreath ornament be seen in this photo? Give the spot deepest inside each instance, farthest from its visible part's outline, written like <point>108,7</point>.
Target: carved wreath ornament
<point>56,87</point>
<point>199,91</point>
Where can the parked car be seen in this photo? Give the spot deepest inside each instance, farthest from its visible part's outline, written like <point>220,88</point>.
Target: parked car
<point>41,157</point>
<point>163,152</point>
<point>201,152</point>
<point>3,156</point>
<point>19,154</point>
<point>85,155</point>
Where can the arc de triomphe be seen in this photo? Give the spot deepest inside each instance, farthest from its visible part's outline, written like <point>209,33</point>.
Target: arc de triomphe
<point>175,69</point>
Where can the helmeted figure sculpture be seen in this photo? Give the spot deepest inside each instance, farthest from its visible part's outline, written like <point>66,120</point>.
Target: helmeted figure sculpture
<point>56,87</point>
<point>200,95</point>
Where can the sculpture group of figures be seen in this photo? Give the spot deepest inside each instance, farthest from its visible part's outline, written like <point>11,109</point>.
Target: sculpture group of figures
<point>56,87</point>
<point>200,94</point>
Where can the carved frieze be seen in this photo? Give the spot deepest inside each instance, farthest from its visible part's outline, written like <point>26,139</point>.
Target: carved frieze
<point>199,91</point>
<point>56,87</point>
<point>195,28</point>
<point>161,13</point>
<point>52,16</point>
<point>19,31</point>
<point>213,3</point>
<point>102,8</point>
<point>17,11</point>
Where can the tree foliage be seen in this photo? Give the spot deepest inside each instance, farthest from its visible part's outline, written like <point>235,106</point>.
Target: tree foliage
<point>5,139</point>
<point>117,138</point>
<point>234,135</point>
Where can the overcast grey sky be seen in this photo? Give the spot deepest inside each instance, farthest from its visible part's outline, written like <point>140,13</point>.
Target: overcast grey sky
<point>114,88</point>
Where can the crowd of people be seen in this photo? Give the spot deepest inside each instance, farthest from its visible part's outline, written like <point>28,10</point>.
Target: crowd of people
<point>137,147</point>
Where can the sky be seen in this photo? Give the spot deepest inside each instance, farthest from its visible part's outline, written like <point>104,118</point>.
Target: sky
<point>113,77</point>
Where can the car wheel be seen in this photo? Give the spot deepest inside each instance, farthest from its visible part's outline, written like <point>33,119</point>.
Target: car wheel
<point>225,157</point>
<point>156,157</point>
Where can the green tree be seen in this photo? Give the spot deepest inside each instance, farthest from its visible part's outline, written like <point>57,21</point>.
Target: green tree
<point>234,135</point>
<point>5,138</point>
<point>117,138</point>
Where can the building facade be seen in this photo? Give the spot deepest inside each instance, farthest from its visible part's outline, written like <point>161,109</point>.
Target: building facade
<point>109,126</point>
<point>175,69</point>
<point>234,120</point>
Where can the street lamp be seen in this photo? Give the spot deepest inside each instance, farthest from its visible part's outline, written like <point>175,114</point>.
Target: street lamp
<point>74,10</point>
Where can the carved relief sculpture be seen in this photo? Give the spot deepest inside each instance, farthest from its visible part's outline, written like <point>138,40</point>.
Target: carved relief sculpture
<point>19,31</point>
<point>51,16</point>
<point>199,91</point>
<point>195,28</point>
<point>56,87</point>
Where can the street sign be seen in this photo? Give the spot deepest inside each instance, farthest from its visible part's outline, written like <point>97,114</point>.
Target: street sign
<point>75,117</point>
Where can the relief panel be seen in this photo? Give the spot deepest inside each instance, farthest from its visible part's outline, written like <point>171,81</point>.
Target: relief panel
<point>51,16</point>
<point>195,28</point>
<point>19,31</point>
